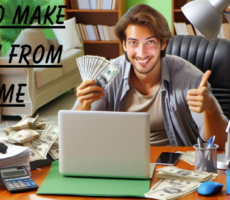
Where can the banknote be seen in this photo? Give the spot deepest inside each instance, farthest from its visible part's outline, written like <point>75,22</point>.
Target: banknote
<point>96,68</point>
<point>45,141</point>
<point>34,155</point>
<point>22,136</point>
<point>187,157</point>
<point>54,150</point>
<point>182,174</point>
<point>171,189</point>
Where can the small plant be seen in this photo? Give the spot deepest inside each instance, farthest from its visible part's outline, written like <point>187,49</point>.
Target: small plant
<point>10,6</point>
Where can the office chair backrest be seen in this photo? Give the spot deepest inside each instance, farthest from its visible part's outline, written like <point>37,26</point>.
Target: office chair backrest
<point>207,56</point>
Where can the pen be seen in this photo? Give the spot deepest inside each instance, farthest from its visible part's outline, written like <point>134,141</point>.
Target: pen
<point>200,143</point>
<point>211,142</point>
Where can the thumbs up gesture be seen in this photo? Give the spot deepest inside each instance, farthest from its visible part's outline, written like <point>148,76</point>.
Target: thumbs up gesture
<point>199,99</point>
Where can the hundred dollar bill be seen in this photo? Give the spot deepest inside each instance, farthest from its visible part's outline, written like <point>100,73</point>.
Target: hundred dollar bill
<point>48,137</point>
<point>22,136</point>
<point>106,76</point>
<point>34,155</point>
<point>25,123</point>
<point>171,189</point>
<point>54,150</point>
<point>45,141</point>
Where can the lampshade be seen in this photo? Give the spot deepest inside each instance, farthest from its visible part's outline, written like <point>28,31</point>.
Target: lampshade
<point>205,17</point>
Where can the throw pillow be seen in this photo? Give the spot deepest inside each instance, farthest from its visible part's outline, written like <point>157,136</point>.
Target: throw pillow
<point>33,37</point>
<point>68,36</point>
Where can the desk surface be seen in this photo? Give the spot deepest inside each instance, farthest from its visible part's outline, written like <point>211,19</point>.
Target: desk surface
<point>39,176</point>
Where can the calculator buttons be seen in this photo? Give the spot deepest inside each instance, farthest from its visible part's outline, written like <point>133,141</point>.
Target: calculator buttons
<point>28,184</point>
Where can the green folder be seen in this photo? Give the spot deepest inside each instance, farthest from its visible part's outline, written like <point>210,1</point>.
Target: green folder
<point>57,184</point>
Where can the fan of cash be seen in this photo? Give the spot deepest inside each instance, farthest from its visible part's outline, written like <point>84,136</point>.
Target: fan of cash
<point>96,68</point>
<point>41,137</point>
<point>176,183</point>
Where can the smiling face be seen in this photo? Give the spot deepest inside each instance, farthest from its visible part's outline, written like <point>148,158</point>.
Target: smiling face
<point>143,48</point>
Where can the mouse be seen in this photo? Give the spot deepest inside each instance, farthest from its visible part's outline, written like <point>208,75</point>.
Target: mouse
<point>209,188</point>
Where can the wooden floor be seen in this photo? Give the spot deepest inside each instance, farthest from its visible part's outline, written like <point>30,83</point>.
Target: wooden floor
<point>48,112</point>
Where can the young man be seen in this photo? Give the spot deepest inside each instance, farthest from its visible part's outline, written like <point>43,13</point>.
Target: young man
<point>173,91</point>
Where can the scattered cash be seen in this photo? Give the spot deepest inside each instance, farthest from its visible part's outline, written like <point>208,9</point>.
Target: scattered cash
<point>171,172</point>
<point>25,123</point>
<point>42,145</point>
<point>41,137</point>
<point>96,68</point>
<point>171,189</point>
<point>23,135</point>
<point>188,157</point>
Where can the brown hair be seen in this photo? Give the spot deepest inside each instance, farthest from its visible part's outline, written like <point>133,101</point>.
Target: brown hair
<point>145,15</point>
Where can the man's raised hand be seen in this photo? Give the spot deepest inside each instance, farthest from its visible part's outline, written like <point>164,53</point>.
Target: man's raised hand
<point>199,99</point>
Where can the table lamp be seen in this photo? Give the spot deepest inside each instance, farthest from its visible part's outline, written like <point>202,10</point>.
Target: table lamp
<point>206,16</point>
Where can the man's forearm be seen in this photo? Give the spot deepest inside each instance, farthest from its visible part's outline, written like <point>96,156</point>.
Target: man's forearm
<point>215,124</point>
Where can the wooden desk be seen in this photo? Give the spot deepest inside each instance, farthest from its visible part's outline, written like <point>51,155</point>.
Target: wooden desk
<point>39,176</point>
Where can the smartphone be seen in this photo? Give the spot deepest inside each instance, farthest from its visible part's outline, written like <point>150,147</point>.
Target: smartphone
<point>167,158</point>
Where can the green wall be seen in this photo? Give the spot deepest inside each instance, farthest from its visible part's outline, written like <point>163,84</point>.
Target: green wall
<point>163,6</point>
<point>48,32</point>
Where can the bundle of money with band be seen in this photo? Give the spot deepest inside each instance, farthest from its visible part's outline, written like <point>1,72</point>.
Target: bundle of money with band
<point>176,183</point>
<point>41,137</point>
<point>26,123</point>
<point>172,172</point>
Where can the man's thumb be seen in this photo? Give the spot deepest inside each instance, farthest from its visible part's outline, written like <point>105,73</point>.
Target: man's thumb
<point>205,78</point>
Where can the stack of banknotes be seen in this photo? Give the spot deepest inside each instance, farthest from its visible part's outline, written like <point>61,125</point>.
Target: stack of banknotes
<point>176,183</point>
<point>41,137</point>
<point>96,68</point>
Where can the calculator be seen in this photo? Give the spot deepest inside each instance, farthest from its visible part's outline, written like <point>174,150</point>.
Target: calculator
<point>17,179</point>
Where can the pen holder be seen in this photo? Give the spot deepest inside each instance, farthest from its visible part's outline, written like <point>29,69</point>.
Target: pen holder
<point>206,159</point>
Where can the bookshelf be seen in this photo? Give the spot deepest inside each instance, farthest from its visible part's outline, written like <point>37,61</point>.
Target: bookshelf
<point>108,49</point>
<point>178,16</point>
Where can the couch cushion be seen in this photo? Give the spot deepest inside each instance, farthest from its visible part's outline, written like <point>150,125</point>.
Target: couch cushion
<point>44,76</point>
<point>69,59</point>
<point>68,37</point>
<point>33,37</point>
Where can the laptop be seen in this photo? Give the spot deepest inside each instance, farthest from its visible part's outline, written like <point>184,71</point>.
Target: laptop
<point>104,144</point>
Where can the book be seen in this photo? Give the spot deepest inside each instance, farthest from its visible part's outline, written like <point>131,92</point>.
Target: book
<point>87,27</point>
<point>96,32</point>
<point>74,4</point>
<point>114,3</point>
<point>112,35</point>
<point>94,38</point>
<point>105,32</point>
<point>78,31</point>
<point>101,32</point>
<point>92,4</point>
<point>85,32</point>
<point>82,32</point>
<point>190,29</point>
<point>181,28</point>
<point>83,4</point>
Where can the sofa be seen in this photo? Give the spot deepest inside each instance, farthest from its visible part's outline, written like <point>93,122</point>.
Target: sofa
<point>42,84</point>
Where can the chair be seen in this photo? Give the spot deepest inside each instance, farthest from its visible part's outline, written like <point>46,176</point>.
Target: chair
<point>207,56</point>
